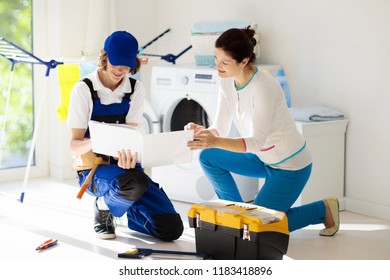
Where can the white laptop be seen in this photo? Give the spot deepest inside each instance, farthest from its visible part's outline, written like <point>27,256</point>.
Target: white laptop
<point>156,149</point>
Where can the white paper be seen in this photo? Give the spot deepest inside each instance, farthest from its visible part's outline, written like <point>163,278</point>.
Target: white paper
<point>153,149</point>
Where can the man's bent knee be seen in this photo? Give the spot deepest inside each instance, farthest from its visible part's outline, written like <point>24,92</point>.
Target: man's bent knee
<point>133,184</point>
<point>168,227</point>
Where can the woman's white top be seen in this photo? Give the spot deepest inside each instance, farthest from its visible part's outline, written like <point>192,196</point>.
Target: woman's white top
<point>260,114</point>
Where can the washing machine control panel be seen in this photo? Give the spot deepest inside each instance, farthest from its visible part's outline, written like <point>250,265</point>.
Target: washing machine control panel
<point>181,77</point>
<point>203,79</point>
<point>184,80</point>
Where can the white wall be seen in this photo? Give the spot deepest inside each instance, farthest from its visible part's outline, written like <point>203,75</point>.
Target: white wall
<point>334,52</point>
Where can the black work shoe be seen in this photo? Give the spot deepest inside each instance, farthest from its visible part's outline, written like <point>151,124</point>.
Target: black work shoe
<point>104,223</point>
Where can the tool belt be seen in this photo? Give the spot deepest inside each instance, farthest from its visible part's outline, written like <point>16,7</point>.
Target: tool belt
<point>88,161</point>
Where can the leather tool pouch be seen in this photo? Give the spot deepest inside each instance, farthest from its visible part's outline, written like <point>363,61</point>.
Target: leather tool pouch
<point>84,161</point>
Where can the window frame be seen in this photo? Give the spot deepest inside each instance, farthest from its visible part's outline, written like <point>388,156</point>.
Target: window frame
<point>40,166</point>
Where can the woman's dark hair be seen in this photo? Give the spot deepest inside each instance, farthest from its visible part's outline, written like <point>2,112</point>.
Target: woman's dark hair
<point>102,63</point>
<point>238,43</point>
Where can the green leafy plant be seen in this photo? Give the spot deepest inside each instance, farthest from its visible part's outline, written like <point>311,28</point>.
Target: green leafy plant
<point>15,21</point>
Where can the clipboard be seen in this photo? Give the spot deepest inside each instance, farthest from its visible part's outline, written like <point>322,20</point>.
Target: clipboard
<point>157,149</point>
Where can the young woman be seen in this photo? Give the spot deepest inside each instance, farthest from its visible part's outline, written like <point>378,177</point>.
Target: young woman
<point>120,184</point>
<point>270,145</point>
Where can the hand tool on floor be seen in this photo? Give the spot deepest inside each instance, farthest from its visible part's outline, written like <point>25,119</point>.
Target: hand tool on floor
<point>139,253</point>
<point>47,244</point>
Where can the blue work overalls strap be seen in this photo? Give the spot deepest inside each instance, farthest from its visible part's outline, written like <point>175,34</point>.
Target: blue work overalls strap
<point>112,113</point>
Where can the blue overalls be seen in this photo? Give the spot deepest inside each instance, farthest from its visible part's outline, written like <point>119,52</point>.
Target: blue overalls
<point>149,210</point>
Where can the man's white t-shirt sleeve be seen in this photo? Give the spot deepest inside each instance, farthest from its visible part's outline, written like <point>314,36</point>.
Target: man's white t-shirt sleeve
<point>79,106</point>
<point>135,113</point>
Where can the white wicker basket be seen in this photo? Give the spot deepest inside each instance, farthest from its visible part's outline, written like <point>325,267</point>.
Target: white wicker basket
<point>203,48</point>
<point>203,44</point>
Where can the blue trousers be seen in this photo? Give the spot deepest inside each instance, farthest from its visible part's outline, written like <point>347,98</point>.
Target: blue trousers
<point>279,192</point>
<point>131,191</point>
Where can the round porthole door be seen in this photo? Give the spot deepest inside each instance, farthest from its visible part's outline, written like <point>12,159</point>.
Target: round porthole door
<point>185,111</point>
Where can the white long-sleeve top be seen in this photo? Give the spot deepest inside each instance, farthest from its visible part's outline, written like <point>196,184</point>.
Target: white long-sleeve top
<point>260,114</point>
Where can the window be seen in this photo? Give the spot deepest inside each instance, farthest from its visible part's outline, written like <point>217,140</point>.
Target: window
<point>16,86</point>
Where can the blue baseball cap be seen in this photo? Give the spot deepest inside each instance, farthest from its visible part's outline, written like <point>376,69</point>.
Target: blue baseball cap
<point>121,48</point>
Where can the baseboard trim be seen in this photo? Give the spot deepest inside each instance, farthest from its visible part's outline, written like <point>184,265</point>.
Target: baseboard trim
<point>61,173</point>
<point>367,208</point>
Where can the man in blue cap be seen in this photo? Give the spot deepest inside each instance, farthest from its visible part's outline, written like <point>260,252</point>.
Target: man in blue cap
<point>122,49</point>
<point>119,184</point>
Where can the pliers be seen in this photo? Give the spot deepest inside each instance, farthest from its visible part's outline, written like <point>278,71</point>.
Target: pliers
<point>47,244</point>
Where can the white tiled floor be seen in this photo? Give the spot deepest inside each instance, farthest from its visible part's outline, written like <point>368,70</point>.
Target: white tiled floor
<point>51,210</point>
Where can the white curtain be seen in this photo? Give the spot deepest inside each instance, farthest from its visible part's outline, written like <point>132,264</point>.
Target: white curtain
<point>100,22</point>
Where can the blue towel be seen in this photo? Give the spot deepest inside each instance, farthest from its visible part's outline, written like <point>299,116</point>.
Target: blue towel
<point>315,112</point>
<point>217,26</point>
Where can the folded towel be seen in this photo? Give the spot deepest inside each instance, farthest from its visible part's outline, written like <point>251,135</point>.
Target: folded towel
<point>217,26</point>
<point>315,112</point>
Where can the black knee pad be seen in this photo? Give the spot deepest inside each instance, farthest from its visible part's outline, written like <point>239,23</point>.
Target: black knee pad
<point>169,227</point>
<point>133,184</point>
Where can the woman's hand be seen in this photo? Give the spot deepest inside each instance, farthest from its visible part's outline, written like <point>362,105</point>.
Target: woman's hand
<point>126,160</point>
<point>203,139</point>
<point>196,127</point>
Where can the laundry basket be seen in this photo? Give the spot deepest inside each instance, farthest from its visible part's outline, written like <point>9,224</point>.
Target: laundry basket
<point>205,33</point>
<point>203,48</point>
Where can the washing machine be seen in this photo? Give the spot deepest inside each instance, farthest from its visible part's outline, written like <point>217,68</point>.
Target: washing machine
<point>150,122</point>
<point>181,94</point>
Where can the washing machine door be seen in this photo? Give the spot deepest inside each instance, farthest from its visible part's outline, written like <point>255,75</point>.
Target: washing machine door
<point>150,123</point>
<point>178,112</point>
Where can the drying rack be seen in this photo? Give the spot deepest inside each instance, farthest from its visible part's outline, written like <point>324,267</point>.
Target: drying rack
<point>168,57</point>
<point>16,54</point>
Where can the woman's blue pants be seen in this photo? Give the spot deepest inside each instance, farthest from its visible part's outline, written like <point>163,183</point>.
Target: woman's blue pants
<point>279,192</point>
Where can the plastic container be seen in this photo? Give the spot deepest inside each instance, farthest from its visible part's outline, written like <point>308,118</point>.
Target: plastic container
<point>281,77</point>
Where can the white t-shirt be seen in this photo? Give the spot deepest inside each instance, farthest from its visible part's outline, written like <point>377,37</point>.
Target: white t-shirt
<point>81,104</point>
<point>260,114</point>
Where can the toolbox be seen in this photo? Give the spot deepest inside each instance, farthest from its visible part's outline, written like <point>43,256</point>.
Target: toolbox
<point>226,230</point>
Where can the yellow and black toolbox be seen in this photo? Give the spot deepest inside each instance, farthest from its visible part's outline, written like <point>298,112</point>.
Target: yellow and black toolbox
<point>226,230</point>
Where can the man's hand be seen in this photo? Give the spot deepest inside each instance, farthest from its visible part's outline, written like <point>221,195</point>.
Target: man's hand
<point>126,160</point>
